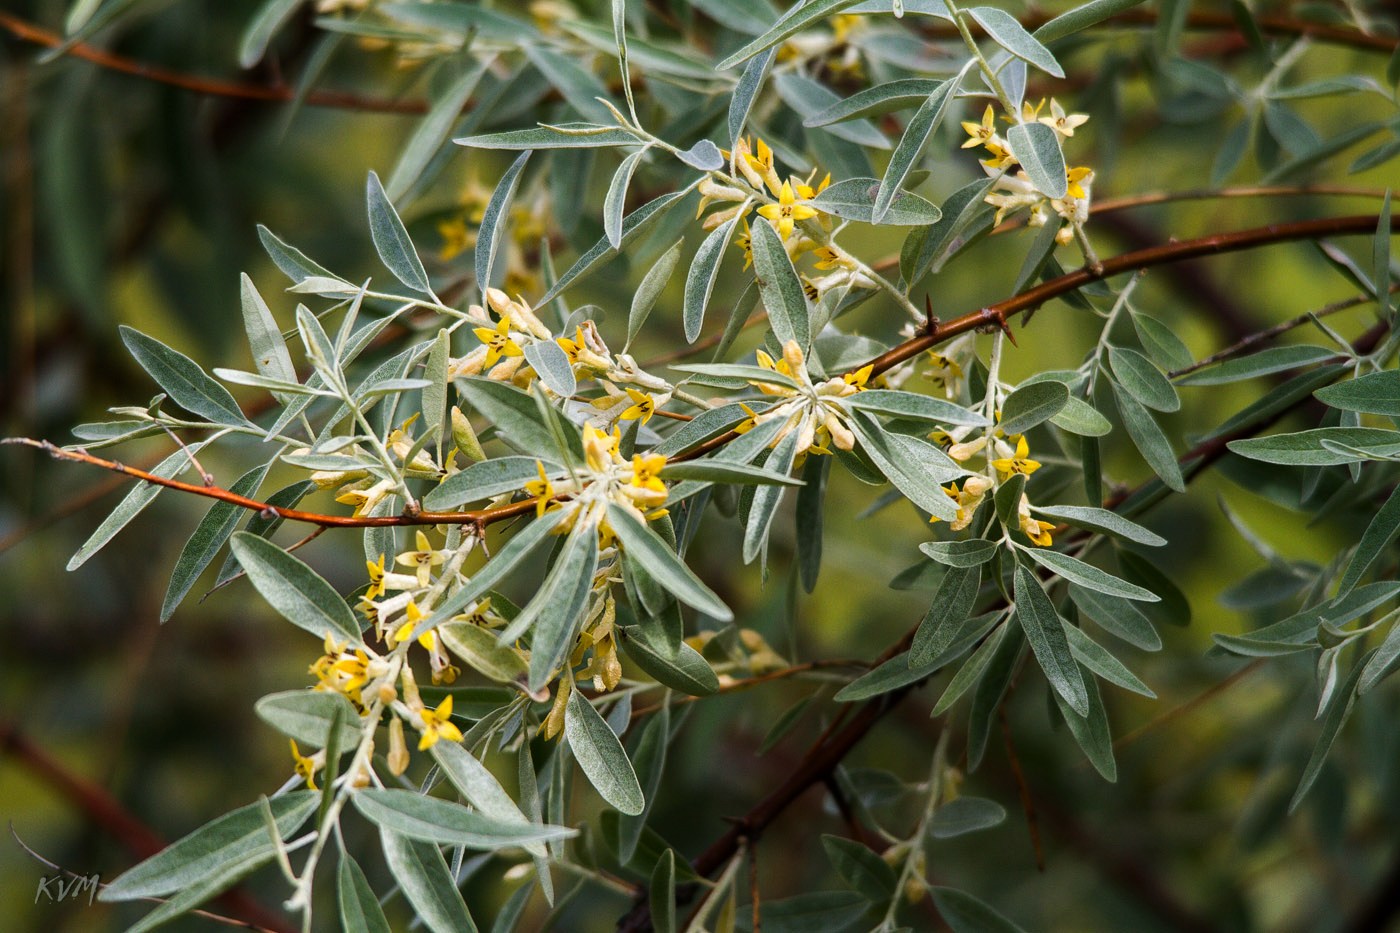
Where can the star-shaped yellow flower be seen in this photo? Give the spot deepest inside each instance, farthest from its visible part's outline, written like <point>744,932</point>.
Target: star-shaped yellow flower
<point>498,342</point>
<point>643,406</point>
<point>376,578</point>
<point>787,212</point>
<point>979,134</point>
<point>1076,175</point>
<point>542,489</point>
<point>1020,463</point>
<point>646,472</point>
<point>306,766</point>
<point>437,724</point>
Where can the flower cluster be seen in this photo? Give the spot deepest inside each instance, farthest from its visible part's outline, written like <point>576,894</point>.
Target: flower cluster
<point>1006,457</point>
<point>1013,190</point>
<point>811,409</point>
<point>608,477</point>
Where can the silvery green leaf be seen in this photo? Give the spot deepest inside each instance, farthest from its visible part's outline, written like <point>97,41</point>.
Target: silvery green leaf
<point>1045,631</point>
<point>704,271</point>
<point>718,471</point>
<point>616,199</point>
<point>704,155</point>
<point>431,819</point>
<point>259,524</point>
<point>391,238</point>
<point>553,366</point>
<point>854,199</point>
<point>208,538</point>
<point>795,20</point>
<point>271,16</point>
<point>423,876</point>
<point>780,287</point>
<point>479,786</point>
<point>1037,148</point>
<point>233,837</point>
<point>493,222</point>
<point>325,287</point>
<point>1088,576</point>
<point>649,762</point>
<point>865,872</point>
<point>968,675</point>
<point>704,426</point>
<point>459,19</point>
<point>389,387</point>
<point>306,716</point>
<point>968,552</point>
<point>1161,342</point>
<point>1091,730</point>
<point>913,467</point>
<point>1150,441</point>
<point>1141,379</point>
<point>663,564</point>
<point>911,405</point>
<point>296,591</point>
<point>432,131</point>
<point>633,224</point>
<point>1305,448</point>
<point>132,504</point>
<point>738,15</point>
<point>1338,710</point>
<point>805,95</point>
<point>434,400</point>
<point>276,386</point>
<point>661,894</point>
<point>876,101</point>
<point>1032,404</point>
<point>738,373</point>
<point>963,815</point>
<point>1117,616</point>
<point>650,289</point>
<point>746,91</point>
<point>188,385</point>
<point>578,86</point>
<point>359,907</point>
<point>678,666</point>
<point>514,414</point>
<point>1374,393</point>
<point>1377,537</point>
<point>651,56</point>
<point>601,757</point>
<point>767,498</point>
<point>1006,32</point>
<point>1098,660</point>
<point>911,145</point>
<point>557,608</point>
<point>948,611</point>
<point>485,480</point>
<point>565,136</point>
<point>1082,17</point>
<point>1263,363</point>
<point>478,647</point>
<point>1101,520</point>
<point>1079,417</point>
<point>269,350</point>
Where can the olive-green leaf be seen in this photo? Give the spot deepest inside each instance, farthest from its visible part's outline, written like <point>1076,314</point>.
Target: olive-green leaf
<point>208,537</point>
<point>704,271</point>
<point>1305,448</point>
<point>1006,32</point>
<point>306,715</point>
<point>663,564</point>
<point>425,880</point>
<point>1046,633</point>
<point>1140,377</point>
<point>1037,148</point>
<point>796,19</point>
<point>854,199</point>
<point>432,819</point>
<point>359,907</point>
<point>1101,520</point>
<point>1031,405</point>
<point>1150,441</point>
<point>296,591</point>
<point>780,287</point>
<point>601,756</point>
<point>390,238</point>
<point>1087,575</point>
<point>1373,393</point>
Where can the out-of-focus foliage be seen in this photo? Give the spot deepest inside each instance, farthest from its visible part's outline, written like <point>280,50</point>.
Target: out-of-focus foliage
<point>638,412</point>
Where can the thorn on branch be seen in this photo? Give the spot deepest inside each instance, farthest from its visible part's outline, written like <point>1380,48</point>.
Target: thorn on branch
<point>931,321</point>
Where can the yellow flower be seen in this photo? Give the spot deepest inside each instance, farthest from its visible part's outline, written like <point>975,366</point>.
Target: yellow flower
<point>341,671</point>
<point>498,342</point>
<point>1076,175</point>
<point>646,472</point>
<point>542,489</point>
<point>437,724</point>
<point>828,258</point>
<point>748,423</point>
<point>643,406</point>
<point>1061,122</point>
<point>787,212</point>
<point>376,578</point>
<point>860,377</point>
<point>306,766</point>
<point>424,559</point>
<point>572,345</point>
<point>745,242</point>
<point>1037,531</point>
<point>457,237</point>
<point>808,192</point>
<point>1019,463</point>
<point>980,134</point>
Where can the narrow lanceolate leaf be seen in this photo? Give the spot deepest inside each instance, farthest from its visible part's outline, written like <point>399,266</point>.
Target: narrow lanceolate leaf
<point>425,880</point>
<point>1082,17</point>
<point>1102,520</point>
<point>1337,712</point>
<point>650,289</point>
<point>616,199</point>
<point>1037,148</point>
<point>391,238</point>
<point>1142,379</point>
<point>866,873</point>
<point>952,604</point>
<point>663,893</point>
<point>1087,575</point>
<point>1373,393</point>
<point>1097,659</point>
<point>566,136</point>
<point>296,591</point>
<point>780,287</point>
<point>556,610</point>
<point>359,907</point>
<point>307,716</point>
<point>971,552</point>
<point>234,836</point>
<point>1046,633</point>
<point>1306,448</point>
<point>1006,32</point>
<point>294,264</point>
<point>493,222</point>
<point>746,91</point>
<point>876,101</point>
<point>662,563</point>
<point>1378,536</point>
<point>912,405</point>
<point>1150,441</point>
<point>270,17</point>
<point>478,785</point>
<point>132,504</point>
<point>719,471</point>
<point>187,384</point>
<point>854,199</point>
<point>796,20</point>
<point>601,756</point>
<point>767,498</point>
<point>649,762</point>
<point>432,131</point>
<point>553,366</point>
<point>269,350</point>
<point>208,537</point>
<point>431,819</point>
<point>704,271</point>
<point>911,145</point>
<point>1032,404</point>
<point>805,95</point>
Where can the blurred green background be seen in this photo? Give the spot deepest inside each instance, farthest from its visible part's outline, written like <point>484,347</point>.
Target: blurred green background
<point>125,200</point>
